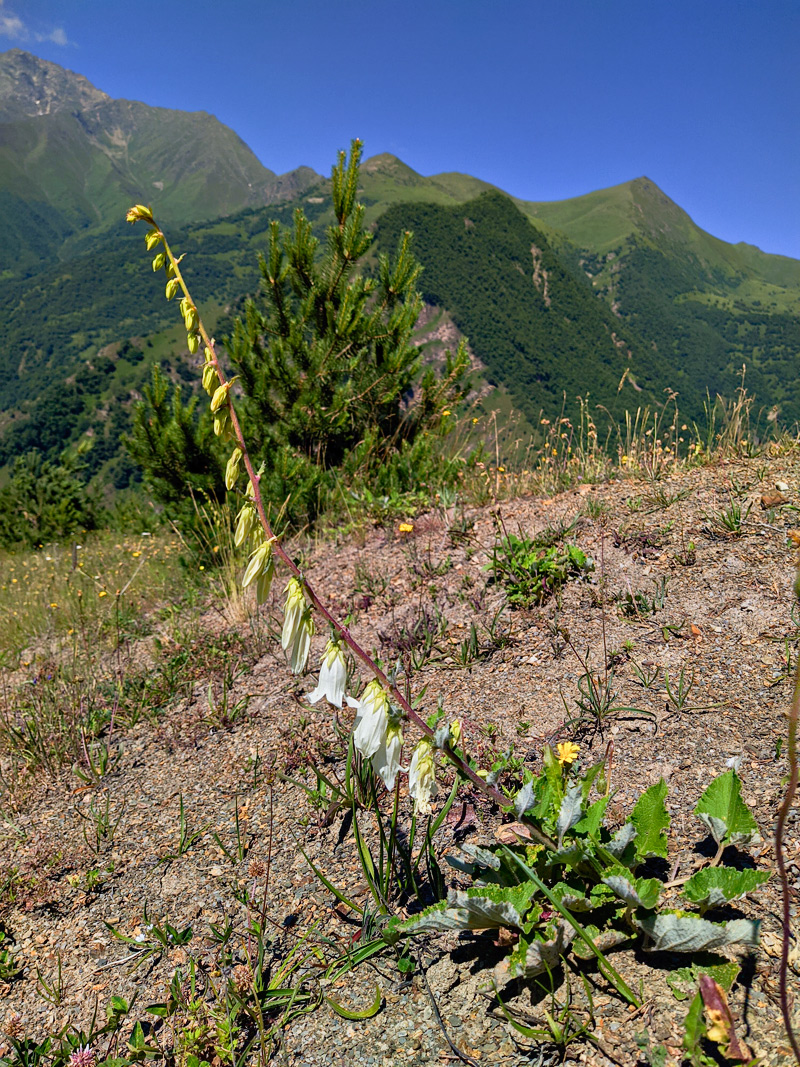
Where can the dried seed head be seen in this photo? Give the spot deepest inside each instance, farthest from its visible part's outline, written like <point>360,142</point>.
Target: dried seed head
<point>257,869</point>
<point>242,977</point>
<point>12,1027</point>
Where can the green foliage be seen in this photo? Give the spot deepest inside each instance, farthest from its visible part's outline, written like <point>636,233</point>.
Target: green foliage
<point>532,572</point>
<point>583,888</point>
<point>722,810</point>
<point>509,292</point>
<point>325,355</point>
<point>176,449</point>
<point>45,501</point>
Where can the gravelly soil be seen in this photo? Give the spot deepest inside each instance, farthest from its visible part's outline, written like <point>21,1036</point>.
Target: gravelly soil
<point>726,622</point>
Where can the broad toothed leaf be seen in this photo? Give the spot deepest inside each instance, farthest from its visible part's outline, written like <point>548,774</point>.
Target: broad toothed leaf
<point>716,885</point>
<point>621,839</point>
<point>479,908</point>
<point>723,812</point>
<point>651,819</point>
<point>638,892</point>
<point>593,819</point>
<point>687,933</point>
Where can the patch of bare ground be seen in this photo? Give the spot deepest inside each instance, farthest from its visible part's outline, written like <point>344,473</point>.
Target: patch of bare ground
<point>715,617</point>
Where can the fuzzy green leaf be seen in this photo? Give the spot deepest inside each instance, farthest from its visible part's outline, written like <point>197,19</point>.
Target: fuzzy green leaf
<point>716,885</point>
<point>684,980</point>
<point>479,908</point>
<point>724,813</point>
<point>571,810</point>
<point>687,933</point>
<point>530,958</point>
<point>638,892</point>
<point>593,819</point>
<point>651,819</point>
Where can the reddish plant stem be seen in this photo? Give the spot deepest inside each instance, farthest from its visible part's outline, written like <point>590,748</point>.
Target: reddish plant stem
<point>343,631</point>
<point>780,830</point>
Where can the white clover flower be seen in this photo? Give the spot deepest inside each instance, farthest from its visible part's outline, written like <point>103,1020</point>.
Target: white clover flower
<point>386,761</point>
<point>298,626</point>
<point>372,720</point>
<point>422,777</point>
<point>332,675</point>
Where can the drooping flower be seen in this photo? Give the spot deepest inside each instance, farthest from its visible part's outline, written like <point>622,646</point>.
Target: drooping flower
<point>259,561</point>
<point>298,626</point>
<point>332,675</point>
<point>386,761</point>
<point>422,777</point>
<point>372,719</point>
<point>567,752</point>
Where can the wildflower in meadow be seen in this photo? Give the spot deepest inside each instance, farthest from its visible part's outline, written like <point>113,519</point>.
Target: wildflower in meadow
<point>332,675</point>
<point>422,777</point>
<point>567,752</point>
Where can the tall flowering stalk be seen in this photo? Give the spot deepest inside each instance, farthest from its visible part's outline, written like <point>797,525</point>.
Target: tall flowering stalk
<point>254,526</point>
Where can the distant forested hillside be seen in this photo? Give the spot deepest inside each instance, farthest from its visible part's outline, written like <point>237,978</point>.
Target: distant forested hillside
<point>539,328</point>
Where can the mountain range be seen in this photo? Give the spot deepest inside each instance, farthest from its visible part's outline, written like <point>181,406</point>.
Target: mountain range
<point>617,293</point>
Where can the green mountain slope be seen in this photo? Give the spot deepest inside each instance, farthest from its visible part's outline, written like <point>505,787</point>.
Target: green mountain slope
<point>556,298</point>
<point>72,159</point>
<point>539,329</point>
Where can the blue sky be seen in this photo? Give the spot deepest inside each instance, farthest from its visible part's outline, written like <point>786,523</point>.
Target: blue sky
<point>548,100</point>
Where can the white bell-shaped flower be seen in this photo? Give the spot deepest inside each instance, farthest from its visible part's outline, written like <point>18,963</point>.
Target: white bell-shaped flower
<point>386,761</point>
<point>332,675</point>
<point>422,777</point>
<point>298,626</point>
<point>372,720</point>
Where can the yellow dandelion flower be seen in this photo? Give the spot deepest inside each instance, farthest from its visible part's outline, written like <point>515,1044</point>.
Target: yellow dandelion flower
<point>445,412</point>
<point>406,527</point>
<point>136,554</point>
<point>567,752</point>
<point>102,593</point>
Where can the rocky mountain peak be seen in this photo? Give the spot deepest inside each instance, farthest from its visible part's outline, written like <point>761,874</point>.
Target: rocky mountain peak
<point>30,86</point>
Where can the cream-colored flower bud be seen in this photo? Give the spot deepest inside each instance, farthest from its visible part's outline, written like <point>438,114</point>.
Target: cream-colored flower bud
<point>170,269</point>
<point>220,396</point>
<point>232,469</point>
<point>209,355</point>
<point>209,377</point>
<point>153,238</point>
<point>258,561</point>
<point>193,341</point>
<point>298,626</point>
<point>139,212</point>
<point>264,581</point>
<point>190,317</point>
<point>172,288</point>
<point>245,524</point>
<point>158,262</point>
<point>222,423</point>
